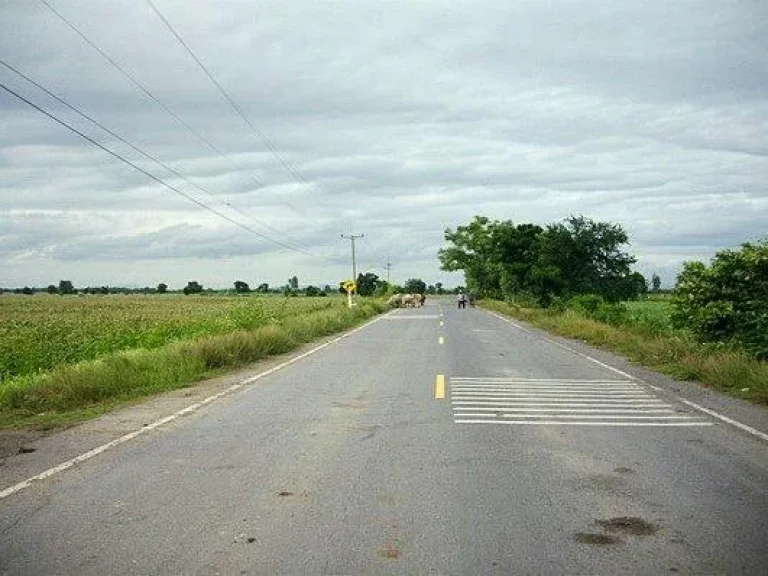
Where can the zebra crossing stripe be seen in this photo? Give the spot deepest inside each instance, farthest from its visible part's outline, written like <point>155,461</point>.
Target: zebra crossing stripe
<point>561,402</point>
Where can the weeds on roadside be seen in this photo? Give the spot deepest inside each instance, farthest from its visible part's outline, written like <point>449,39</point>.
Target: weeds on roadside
<point>71,392</point>
<point>653,345</point>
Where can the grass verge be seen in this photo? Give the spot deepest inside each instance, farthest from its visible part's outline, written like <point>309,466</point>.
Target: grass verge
<point>71,393</point>
<point>731,371</point>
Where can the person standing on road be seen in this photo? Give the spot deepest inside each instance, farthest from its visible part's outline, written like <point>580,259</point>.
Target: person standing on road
<point>462,300</point>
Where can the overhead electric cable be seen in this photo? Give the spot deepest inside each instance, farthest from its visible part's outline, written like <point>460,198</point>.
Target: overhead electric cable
<point>137,149</point>
<point>150,175</point>
<point>289,167</point>
<point>157,100</point>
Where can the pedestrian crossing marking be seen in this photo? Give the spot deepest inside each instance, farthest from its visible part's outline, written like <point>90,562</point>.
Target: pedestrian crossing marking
<point>562,402</point>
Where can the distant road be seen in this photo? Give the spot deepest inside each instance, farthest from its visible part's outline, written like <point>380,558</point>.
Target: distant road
<point>434,441</point>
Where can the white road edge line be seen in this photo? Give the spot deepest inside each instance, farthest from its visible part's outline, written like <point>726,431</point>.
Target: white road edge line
<point>754,432</point>
<point>175,416</point>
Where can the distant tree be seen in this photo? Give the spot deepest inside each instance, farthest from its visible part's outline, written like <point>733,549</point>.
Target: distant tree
<point>327,289</point>
<point>312,291</point>
<point>52,289</point>
<point>293,283</point>
<point>415,286</point>
<point>162,288</point>
<point>66,287</point>
<point>581,256</point>
<point>438,287</point>
<point>656,282</point>
<point>27,290</point>
<point>242,287</point>
<point>193,287</point>
<point>383,288</point>
<point>366,283</point>
<point>263,288</point>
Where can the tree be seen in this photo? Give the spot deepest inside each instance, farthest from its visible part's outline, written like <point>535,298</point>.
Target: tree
<point>193,287</point>
<point>727,301</point>
<point>293,283</point>
<point>438,287</point>
<point>577,256</point>
<point>66,287</point>
<point>162,288</point>
<point>471,251</point>
<point>367,283</point>
<point>581,256</point>
<point>415,286</point>
<point>52,289</point>
<point>312,291</point>
<point>242,287</point>
<point>263,288</point>
<point>656,282</point>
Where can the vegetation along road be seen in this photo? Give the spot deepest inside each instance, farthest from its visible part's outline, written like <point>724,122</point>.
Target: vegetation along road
<point>430,440</point>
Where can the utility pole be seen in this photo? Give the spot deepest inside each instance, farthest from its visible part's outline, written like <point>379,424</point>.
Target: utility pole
<point>388,266</point>
<point>352,238</point>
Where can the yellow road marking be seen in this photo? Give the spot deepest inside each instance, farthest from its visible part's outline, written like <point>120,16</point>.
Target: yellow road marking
<point>439,387</point>
<point>442,340</point>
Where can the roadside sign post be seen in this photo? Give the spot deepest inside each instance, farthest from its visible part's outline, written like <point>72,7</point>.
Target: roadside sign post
<point>349,286</point>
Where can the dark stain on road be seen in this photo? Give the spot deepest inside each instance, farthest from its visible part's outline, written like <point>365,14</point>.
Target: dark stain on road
<point>25,450</point>
<point>389,551</point>
<point>623,470</point>
<point>629,525</point>
<point>596,539</point>
<point>285,493</point>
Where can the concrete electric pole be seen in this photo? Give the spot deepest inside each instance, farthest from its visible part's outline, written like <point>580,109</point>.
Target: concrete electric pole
<point>352,238</point>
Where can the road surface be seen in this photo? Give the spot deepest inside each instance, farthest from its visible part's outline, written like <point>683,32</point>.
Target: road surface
<point>433,441</point>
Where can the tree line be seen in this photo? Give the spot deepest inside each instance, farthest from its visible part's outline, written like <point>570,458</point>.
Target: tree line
<point>583,264</point>
<point>577,256</point>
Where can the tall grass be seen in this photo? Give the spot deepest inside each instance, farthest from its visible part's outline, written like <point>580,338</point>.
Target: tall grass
<point>39,333</point>
<point>651,344</point>
<point>71,391</point>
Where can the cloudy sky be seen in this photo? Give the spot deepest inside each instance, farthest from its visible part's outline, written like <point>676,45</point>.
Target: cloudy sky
<point>395,119</point>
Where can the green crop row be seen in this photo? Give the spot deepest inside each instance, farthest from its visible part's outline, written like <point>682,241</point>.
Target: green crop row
<point>39,333</point>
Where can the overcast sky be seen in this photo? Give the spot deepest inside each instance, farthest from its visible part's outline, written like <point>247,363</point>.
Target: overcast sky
<point>395,119</point>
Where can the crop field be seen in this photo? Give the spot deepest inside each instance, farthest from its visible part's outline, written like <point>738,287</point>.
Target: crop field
<point>39,333</point>
<point>64,359</point>
<point>652,315</point>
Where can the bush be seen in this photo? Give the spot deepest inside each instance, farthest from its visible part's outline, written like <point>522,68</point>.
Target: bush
<point>727,301</point>
<point>586,303</point>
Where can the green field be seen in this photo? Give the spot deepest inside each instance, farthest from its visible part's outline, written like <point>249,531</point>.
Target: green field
<point>39,333</point>
<point>652,315</point>
<point>67,358</point>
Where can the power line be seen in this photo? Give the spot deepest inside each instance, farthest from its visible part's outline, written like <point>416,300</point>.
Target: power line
<point>288,166</point>
<point>149,174</point>
<point>157,100</point>
<point>133,146</point>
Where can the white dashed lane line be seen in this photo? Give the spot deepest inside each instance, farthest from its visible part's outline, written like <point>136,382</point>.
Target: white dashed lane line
<point>478,400</point>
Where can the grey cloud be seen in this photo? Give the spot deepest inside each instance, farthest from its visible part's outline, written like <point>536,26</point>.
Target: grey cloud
<point>403,119</point>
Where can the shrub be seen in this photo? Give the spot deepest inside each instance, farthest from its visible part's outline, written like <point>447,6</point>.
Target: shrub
<point>727,301</point>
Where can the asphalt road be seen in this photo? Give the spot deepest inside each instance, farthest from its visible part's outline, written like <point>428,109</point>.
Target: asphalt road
<point>536,461</point>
